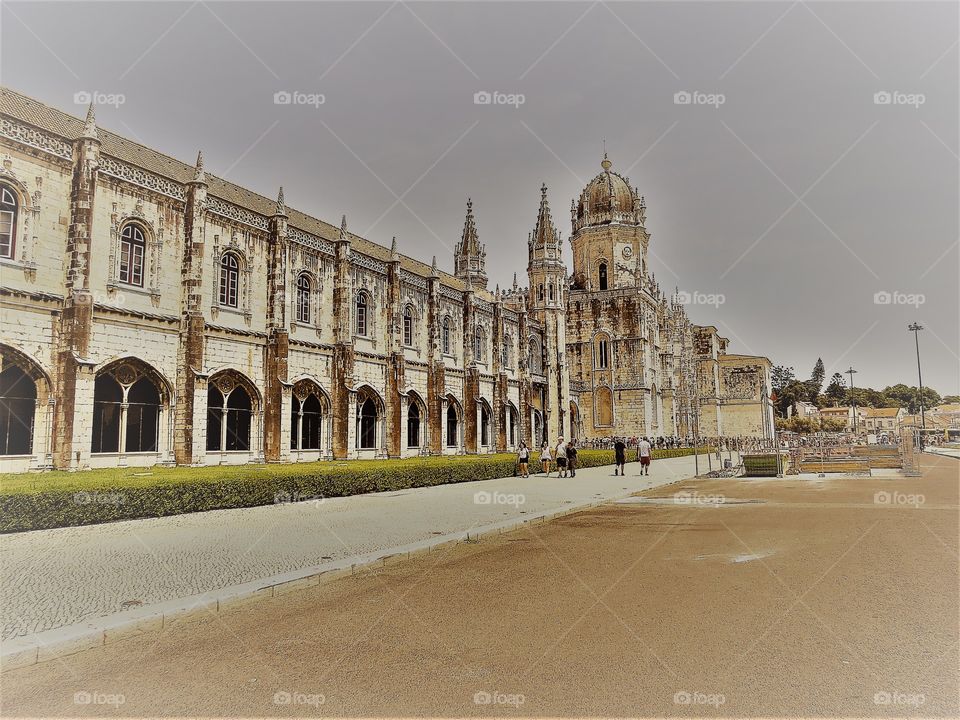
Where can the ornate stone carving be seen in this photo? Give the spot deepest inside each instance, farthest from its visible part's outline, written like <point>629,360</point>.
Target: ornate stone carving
<point>416,281</point>
<point>312,241</point>
<point>26,135</point>
<point>368,263</point>
<point>141,178</point>
<point>236,213</point>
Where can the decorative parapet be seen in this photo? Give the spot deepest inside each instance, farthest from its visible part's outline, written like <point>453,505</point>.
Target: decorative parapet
<point>368,263</point>
<point>312,241</point>
<point>237,213</point>
<point>37,139</point>
<point>141,178</point>
<point>413,279</point>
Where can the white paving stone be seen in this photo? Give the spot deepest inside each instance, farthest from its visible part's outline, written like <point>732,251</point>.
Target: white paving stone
<point>54,578</point>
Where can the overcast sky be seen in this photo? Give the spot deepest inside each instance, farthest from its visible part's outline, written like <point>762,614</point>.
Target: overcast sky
<point>787,189</point>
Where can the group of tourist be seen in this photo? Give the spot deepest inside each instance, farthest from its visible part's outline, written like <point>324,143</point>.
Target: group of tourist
<point>564,454</point>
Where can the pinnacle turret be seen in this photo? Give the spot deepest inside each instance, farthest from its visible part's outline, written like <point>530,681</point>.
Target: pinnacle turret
<point>90,126</point>
<point>544,232</point>
<point>199,176</point>
<point>281,206</point>
<point>470,256</point>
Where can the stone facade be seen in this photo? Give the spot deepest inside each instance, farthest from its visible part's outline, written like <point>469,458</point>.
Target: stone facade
<point>154,313</point>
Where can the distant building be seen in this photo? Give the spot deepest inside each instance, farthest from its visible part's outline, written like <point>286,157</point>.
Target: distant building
<point>805,409</point>
<point>845,414</point>
<point>883,420</point>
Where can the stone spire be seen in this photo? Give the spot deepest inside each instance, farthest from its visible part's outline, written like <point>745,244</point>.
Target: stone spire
<point>281,206</point>
<point>434,271</point>
<point>90,126</point>
<point>544,233</point>
<point>199,176</point>
<point>470,256</point>
<point>343,228</point>
<point>394,255</point>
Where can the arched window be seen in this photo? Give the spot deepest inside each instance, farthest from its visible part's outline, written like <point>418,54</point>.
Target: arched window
<point>18,402</point>
<point>126,411</point>
<point>8,222</point>
<point>367,424</point>
<point>602,272</point>
<point>452,421</point>
<point>303,298</point>
<point>445,335</point>
<point>408,326</point>
<point>512,425</point>
<point>536,359</point>
<point>540,293</point>
<point>229,418</point>
<point>413,425</point>
<point>133,248</point>
<point>479,345</point>
<point>604,416</point>
<point>537,428</point>
<point>550,292</point>
<point>601,352</point>
<point>484,424</point>
<point>361,313</point>
<point>229,280</point>
<point>306,422</point>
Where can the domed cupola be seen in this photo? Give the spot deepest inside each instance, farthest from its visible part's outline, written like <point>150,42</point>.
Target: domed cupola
<point>608,198</point>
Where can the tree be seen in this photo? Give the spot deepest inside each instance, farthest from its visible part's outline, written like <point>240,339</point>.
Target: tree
<point>780,377</point>
<point>909,397</point>
<point>836,390</point>
<point>950,400</point>
<point>815,383</point>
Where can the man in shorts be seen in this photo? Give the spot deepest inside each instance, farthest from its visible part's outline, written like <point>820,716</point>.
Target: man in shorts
<point>560,455</point>
<point>620,451</point>
<point>643,453</point>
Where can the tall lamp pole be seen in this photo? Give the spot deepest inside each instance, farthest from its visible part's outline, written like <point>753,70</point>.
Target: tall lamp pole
<point>853,397</point>
<point>915,328</point>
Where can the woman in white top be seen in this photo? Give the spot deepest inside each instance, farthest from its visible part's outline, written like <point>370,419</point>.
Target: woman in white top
<point>545,458</point>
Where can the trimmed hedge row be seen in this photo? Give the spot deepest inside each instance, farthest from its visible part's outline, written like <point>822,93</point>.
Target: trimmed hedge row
<point>108,497</point>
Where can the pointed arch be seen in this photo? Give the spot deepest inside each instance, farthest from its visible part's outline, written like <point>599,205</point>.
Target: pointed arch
<point>369,418</point>
<point>310,412</point>
<point>129,399</point>
<point>484,424</point>
<point>452,422</point>
<point>603,406</point>
<point>416,420</point>
<point>233,402</point>
<point>23,386</point>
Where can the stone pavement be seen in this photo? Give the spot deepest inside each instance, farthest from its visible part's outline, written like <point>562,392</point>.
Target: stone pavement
<point>54,578</point>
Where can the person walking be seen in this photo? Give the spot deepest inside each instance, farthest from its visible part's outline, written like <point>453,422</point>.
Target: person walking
<point>643,453</point>
<point>545,458</point>
<point>620,449</point>
<point>561,457</point>
<point>523,459</point>
<point>572,458</point>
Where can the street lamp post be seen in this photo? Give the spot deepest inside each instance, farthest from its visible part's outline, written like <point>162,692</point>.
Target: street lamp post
<point>853,397</point>
<point>915,328</point>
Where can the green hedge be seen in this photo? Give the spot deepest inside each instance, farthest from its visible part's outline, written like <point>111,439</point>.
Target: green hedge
<point>60,499</point>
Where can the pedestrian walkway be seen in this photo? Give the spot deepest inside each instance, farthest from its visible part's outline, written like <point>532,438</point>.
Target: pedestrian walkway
<point>54,578</point>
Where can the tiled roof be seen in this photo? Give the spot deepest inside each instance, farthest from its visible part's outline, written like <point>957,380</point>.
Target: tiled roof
<point>69,127</point>
<point>882,412</point>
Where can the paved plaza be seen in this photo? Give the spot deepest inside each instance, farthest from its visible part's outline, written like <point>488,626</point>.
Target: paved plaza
<point>64,576</point>
<point>775,597</point>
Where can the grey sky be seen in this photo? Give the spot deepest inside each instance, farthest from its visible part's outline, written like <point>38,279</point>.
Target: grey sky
<point>877,183</point>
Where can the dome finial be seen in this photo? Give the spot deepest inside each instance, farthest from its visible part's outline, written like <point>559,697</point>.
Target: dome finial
<point>606,164</point>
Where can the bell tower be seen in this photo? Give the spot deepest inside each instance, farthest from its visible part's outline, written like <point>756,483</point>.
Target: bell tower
<point>470,257</point>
